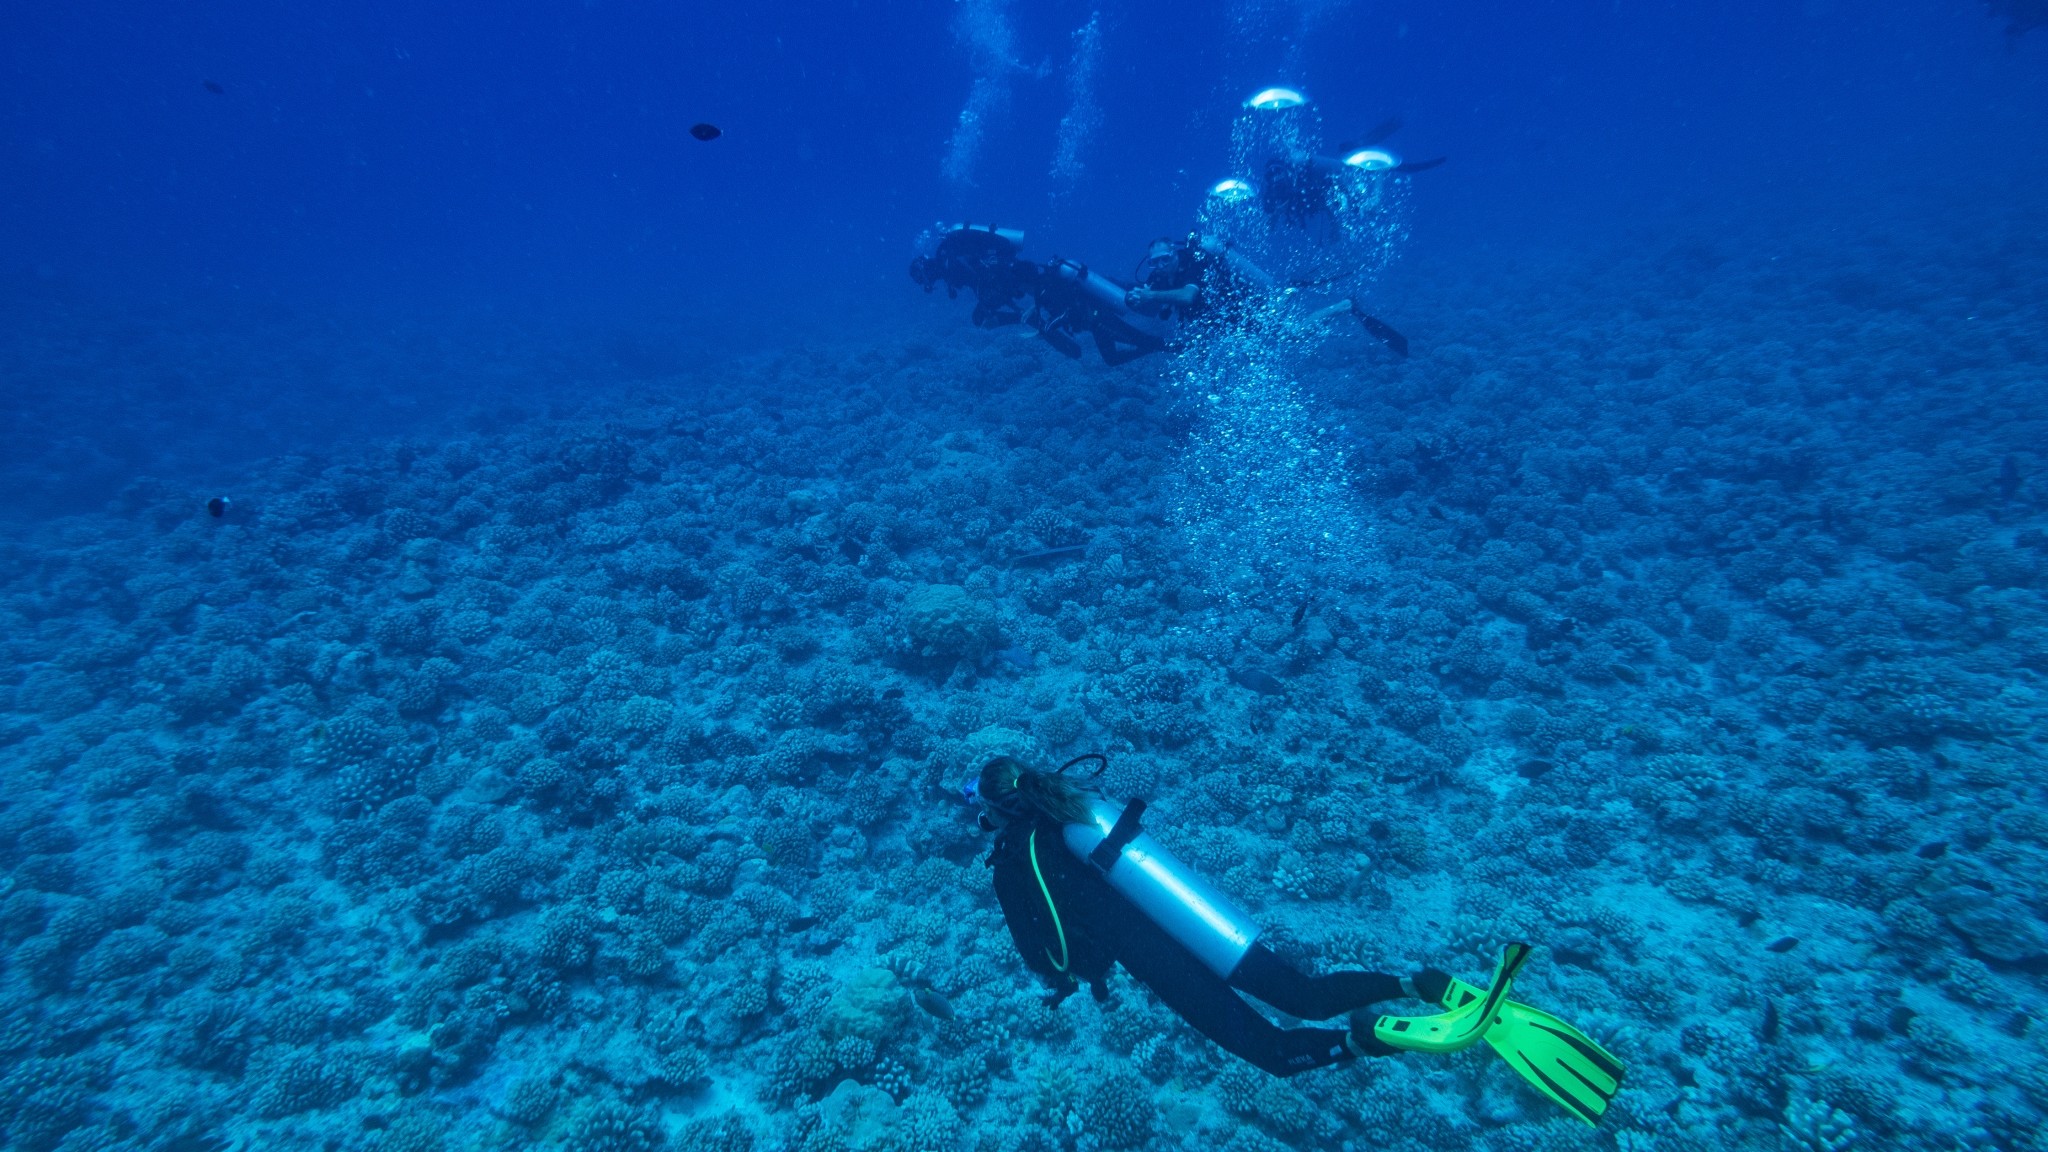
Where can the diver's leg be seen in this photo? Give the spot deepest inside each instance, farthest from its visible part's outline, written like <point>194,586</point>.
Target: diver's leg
<point>1275,981</point>
<point>1207,1003</point>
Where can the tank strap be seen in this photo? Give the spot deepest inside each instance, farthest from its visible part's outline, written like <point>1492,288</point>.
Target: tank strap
<point>1064,959</point>
<point>1124,831</point>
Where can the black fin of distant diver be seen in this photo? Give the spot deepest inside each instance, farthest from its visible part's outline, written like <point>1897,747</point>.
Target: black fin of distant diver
<point>1067,345</point>
<point>1385,332</point>
<point>1420,165</point>
<point>1381,131</point>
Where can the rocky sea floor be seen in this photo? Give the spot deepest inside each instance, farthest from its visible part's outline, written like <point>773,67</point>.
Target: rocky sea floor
<point>590,783</point>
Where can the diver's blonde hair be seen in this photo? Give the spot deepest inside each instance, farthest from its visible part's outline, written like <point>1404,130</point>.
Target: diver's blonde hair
<point>1014,789</point>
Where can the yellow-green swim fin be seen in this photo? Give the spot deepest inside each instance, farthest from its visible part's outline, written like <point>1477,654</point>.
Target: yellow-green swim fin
<point>1561,1062</point>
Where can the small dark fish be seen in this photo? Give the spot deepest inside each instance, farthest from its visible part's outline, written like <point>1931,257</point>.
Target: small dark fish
<point>1934,851</point>
<point>213,87</point>
<point>706,131</point>
<point>1300,614</point>
<point>1531,769</point>
<point>218,506</point>
<point>2009,479</point>
<point>892,693</point>
<point>1262,682</point>
<point>1769,1030</point>
<point>1019,656</point>
<point>1048,556</point>
<point>803,923</point>
<point>929,1000</point>
<point>1625,674</point>
<point>1782,944</point>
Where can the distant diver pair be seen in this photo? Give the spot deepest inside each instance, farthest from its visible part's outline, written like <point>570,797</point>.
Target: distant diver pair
<point>1302,200</point>
<point>1083,887</point>
<point>1064,301</point>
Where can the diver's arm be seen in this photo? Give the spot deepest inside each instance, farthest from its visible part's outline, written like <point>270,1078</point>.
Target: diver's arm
<point>1215,246</point>
<point>1185,296</point>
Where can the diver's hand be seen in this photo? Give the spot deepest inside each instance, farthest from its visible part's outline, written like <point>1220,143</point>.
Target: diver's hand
<point>1138,297</point>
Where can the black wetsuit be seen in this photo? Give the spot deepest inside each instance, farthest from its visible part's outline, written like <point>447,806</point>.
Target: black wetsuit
<point>1101,928</point>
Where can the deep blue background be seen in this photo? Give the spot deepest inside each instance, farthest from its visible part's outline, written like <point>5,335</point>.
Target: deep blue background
<point>432,161</point>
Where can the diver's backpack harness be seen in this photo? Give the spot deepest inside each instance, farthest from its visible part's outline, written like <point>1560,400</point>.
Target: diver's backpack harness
<point>1125,830</point>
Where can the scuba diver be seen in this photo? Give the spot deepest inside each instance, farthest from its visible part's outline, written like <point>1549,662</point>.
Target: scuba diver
<point>1203,274</point>
<point>1083,887</point>
<point>1301,188</point>
<point>1198,276</point>
<point>1061,300</point>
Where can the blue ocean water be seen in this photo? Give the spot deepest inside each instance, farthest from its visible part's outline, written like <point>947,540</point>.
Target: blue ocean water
<point>499,594</point>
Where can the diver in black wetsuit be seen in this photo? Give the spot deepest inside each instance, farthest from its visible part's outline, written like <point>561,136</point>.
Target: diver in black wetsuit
<point>1083,886</point>
<point>1195,277</point>
<point>1204,276</point>
<point>1071,926</point>
<point>1062,300</point>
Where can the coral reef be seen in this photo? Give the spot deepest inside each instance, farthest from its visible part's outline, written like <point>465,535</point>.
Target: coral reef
<point>588,782</point>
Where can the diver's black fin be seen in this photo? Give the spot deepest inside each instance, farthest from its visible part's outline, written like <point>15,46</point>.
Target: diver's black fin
<point>1421,165</point>
<point>1067,345</point>
<point>1386,128</point>
<point>1385,332</point>
<point>1381,131</point>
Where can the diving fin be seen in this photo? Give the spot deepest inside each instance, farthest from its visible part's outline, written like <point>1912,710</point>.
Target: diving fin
<point>1381,131</point>
<point>1560,1061</point>
<point>1383,331</point>
<point>1469,1017</point>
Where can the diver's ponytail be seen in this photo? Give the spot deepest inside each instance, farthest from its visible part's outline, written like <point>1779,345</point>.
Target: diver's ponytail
<point>1011,788</point>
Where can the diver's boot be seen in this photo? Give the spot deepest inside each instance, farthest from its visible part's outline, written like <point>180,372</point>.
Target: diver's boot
<point>1428,985</point>
<point>1464,1024</point>
<point>1361,1041</point>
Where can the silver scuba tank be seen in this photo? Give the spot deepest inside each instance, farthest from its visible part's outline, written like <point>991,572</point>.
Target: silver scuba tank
<point>1107,295</point>
<point>1105,292</point>
<point>1175,897</point>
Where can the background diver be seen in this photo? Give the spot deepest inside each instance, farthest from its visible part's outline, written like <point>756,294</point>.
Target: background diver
<point>1083,887</point>
<point>1063,300</point>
